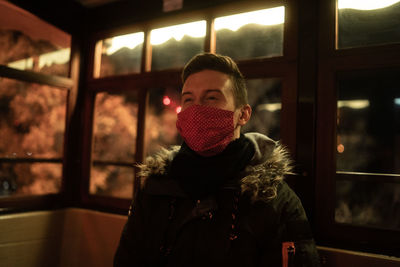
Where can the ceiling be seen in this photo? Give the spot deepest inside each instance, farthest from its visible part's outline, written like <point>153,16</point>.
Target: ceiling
<point>94,3</point>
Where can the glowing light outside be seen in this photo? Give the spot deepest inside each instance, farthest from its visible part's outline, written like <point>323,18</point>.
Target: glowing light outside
<point>365,4</point>
<point>166,100</point>
<point>57,57</point>
<point>354,104</point>
<point>340,148</point>
<point>270,16</point>
<point>193,29</point>
<point>128,40</point>
<point>397,101</point>
<point>270,107</point>
<point>23,64</point>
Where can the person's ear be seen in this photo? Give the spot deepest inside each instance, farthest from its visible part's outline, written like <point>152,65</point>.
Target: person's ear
<point>245,114</point>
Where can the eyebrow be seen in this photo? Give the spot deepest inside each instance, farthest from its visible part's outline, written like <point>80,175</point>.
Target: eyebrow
<point>207,91</point>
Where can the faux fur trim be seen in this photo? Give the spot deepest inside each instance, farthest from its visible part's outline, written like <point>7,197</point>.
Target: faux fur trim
<point>261,180</point>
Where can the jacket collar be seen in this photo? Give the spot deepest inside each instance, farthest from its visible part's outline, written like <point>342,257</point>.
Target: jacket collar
<point>261,177</point>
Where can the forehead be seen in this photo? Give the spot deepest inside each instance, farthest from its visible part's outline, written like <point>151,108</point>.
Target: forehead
<point>206,80</point>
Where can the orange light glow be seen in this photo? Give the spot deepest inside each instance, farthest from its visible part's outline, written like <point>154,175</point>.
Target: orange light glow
<point>340,148</point>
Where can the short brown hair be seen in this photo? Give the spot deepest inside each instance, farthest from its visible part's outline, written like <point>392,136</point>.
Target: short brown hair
<point>224,64</point>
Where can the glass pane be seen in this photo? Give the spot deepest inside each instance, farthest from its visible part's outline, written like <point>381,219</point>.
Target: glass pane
<point>19,179</point>
<point>32,120</point>
<point>368,124</point>
<point>114,143</point>
<point>252,34</point>
<point>265,99</point>
<point>115,181</point>
<point>373,204</point>
<point>366,23</point>
<point>368,149</point>
<point>161,132</point>
<point>115,127</point>
<point>173,46</point>
<point>29,43</point>
<point>121,54</point>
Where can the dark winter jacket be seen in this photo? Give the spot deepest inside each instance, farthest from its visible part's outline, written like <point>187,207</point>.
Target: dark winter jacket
<point>254,223</point>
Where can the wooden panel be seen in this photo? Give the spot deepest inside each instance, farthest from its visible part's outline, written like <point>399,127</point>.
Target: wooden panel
<point>331,257</point>
<point>37,253</point>
<point>31,239</point>
<point>31,226</point>
<point>90,238</point>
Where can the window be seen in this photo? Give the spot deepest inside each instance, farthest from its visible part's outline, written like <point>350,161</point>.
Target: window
<point>33,106</point>
<point>366,23</point>
<point>357,147</point>
<point>114,144</point>
<point>252,34</point>
<point>29,43</point>
<point>265,99</point>
<point>121,54</point>
<point>161,132</point>
<point>32,127</point>
<point>368,124</point>
<point>183,41</point>
<point>156,54</point>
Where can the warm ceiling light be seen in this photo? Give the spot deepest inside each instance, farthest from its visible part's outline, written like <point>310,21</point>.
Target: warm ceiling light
<point>128,40</point>
<point>365,4</point>
<point>194,29</point>
<point>270,16</point>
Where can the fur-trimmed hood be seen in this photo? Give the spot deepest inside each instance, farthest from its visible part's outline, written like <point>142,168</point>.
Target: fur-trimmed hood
<point>261,177</point>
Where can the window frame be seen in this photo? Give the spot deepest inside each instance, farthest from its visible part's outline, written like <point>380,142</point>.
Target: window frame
<point>283,67</point>
<point>32,202</point>
<point>334,63</point>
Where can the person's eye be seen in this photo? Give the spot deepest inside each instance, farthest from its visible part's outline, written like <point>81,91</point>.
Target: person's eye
<point>211,98</point>
<point>187,100</point>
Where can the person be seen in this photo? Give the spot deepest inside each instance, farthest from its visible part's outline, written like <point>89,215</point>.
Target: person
<point>219,199</point>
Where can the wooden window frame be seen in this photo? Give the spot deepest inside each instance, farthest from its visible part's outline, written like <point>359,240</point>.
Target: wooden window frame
<point>333,62</point>
<point>284,67</point>
<point>12,204</point>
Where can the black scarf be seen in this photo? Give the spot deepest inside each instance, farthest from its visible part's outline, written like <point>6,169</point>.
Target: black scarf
<point>201,176</point>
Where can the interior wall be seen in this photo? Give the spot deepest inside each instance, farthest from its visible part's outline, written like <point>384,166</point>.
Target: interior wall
<point>31,239</point>
<point>78,237</point>
<point>71,237</point>
<point>90,238</point>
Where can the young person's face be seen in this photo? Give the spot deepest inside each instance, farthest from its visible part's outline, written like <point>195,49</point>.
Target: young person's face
<point>208,88</point>
<point>215,89</point>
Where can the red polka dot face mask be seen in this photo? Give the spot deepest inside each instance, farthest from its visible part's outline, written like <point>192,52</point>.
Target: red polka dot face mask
<point>206,130</point>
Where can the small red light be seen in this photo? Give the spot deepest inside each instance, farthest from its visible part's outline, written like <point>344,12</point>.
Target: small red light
<point>178,109</point>
<point>166,100</point>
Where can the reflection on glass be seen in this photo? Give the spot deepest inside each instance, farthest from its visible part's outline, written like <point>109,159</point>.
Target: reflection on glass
<point>368,146</point>
<point>111,180</point>
<point>22,179</point>
<point>368,22</point>
<point>32,120</point>
<point>368,125</point>
<point>28,43</point>
<point>173,46</point>
<point>252,34</point>
<point>161,132</point>
<point>121,54</point>
<point>265,99</point>
<point>373,204</point>
<point>114,142</point>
